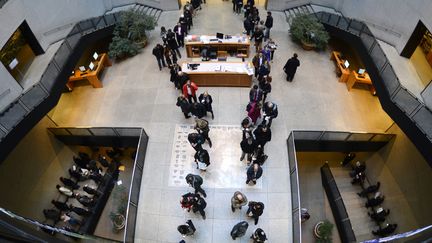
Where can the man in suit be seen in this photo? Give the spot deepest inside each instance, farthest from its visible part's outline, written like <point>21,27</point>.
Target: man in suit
<point>195,181</point>
<point>290,67</point>
<point>255,210</point>
<point>172,42</point>
<point>180,33</point>
<point>206,99</point>
<point>158,52</point>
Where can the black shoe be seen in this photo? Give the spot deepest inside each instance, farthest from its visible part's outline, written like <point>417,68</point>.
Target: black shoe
<point>204,217</point>
<point>232,209</point>
<point>210,144</point>
<point>188,116</point>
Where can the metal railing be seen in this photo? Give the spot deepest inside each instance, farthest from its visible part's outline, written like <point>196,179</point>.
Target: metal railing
<point>323,136</point>
<point>411,106</point>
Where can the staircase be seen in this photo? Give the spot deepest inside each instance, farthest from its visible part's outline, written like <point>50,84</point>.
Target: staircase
<point>295,11</point>
<point>150,11</point>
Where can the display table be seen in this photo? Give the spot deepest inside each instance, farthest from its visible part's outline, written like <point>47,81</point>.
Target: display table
<point>234,74</point>
<point>364,78</point>
<point>90,75</point>
<point>340,68</point>
<point>237,43</point>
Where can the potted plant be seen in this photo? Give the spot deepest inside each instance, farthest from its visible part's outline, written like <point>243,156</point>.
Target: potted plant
<point>323,231</point>
<point>130,34</point>
<point>120,201</point>
<point>309,32</point>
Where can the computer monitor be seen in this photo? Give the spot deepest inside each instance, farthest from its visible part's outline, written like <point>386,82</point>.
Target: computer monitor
<point>82,68</point>
<point>219,35</point>
<point>91,65</point>
<point>95,56</point>
<point>361,71</point>
<point>346,64</point>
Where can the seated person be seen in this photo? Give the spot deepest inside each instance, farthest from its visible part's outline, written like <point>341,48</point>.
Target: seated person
<point>379,214</point>
<point>70,220</point>
<point>52,214</point>
<point>79,173</point>
<point>369,189</point>
<point>69,183</point>
<point>358,168</point>
<point>358,179</point>
<point>80,211</point>
<point>85,200</point>
<point>65,191</point>
<point>103,161</point>
<point>375,201</point>
<point>60,205</point>
<point>90,190</point>
<point>386,230</point>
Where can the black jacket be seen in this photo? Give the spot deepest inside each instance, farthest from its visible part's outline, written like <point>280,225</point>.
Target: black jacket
<point>239,229</point>
<point>291,65</point>
<point>158,51</point>
<point>182,30</point>
<point>269,22</point>
<point>251,174</point>
<point>194,180</point>
<point>246,147</point>
<point>171,40</point>
<point>202,156</point>
<point>199,110</point>
<point>184,105</point>
<point>207,102</point>
<point>258,35</point>
<point>262,137</point>
<point>271,112</point>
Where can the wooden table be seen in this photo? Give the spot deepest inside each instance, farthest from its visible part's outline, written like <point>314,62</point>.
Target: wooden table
<point>225,74</point>
<point>238,44</point>
<point>90,75</point>
<point>364,78</point>
<point>340,68</point>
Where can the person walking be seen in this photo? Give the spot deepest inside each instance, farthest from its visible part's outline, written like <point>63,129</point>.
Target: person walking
<point>253,173</point>
<point>199,204</point>
<point>270,111</point>
<point>172,42</point>
<point>158,52</point>
<point>259,236</point>
<point>184,105</point>
<point>248,146</point>
<point>255,210</point>
<point>202,159</point>
<point>186,229</point>
<point>206,99</point>
<point>238,200</point>
<point>202,127</point>
<point>268,24</point>
<point>189,91</point>
<point>290,67</point>
<point>239,230</point>
<point>195,181</point>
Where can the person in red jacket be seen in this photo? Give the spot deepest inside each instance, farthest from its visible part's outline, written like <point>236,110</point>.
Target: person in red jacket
<point>189,91</point>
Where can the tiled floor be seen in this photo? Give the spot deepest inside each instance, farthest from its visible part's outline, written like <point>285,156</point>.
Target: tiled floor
<point>135,93</point>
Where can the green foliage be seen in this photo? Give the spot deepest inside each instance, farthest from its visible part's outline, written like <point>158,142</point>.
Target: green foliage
<point>11,49</point>
<point>307,29</point>
<point>130,30</point>
<point>120,196</point>
<point>325,232</point>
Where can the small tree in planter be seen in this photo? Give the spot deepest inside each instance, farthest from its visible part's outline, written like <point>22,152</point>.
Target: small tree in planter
<point>130,34</point>
<point>118,216</point>
<point>323,231</point>
<point>309,32</point>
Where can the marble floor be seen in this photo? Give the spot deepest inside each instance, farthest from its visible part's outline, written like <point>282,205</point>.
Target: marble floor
<point>136,93</point>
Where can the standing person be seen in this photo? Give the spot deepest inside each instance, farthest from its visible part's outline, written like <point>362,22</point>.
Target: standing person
<point>202,127</point>
<point>257,61</point>
<point>207,101</point>
<point>247,10</point>
<point>186,229</point>
<point>174,69</point>
<point>184,24</point>
<point>254,111</point>
<point>158,52</point>
<point>180,34</point>
<point>263,70</point>
<point>259,236</point>
<point>234,2</point>
<point>259,36</point>
<point>198,110</point>
<point>262,135</point>
<point>199,204</point>
<point>246,126</point>
<point>254,172</point>
<point>60,205</point>
<point>239,229</point>
<point>268,24</point>
<point>196,140</point>
<point>255,210</point>
<point>186,201</point>
<point>163,34</point>
<point>270,111</point>
<point>170,55</point>
<point>266,87</point>
<point>182,79</point>
<point>255,94</point>
<point>248,146</point>
<point>189,91</point>
<point>271,45</point>
<point>195,181</point>
<point>238,200</point>
<point>202,159</point>
<point>247,24</point>
<point>290,67</point>
<point>188,18</point>
<point>172,42</point>
<point>250,2</point>
<point>239,6</point>
<point>184,105</point>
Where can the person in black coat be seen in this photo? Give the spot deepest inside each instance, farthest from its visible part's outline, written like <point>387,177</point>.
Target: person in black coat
<point>186,229</point>
<point>198,205</point>
<point>182,79</point>
<point>158,52</point>
<point>248,146</point>
<point>196,140</point>
<point>184,24</point>
<point>184,105</point>
<point>203,157</point>
<point>375,201</point>
<point>170,55</point>
<point>259,36</point>
<point>188,18</point>
<point>259,236</point>
<point>255,210</point>
<point>239,229</point>
<point>195,181</point>
<point>198,110</point>
<point>180,34</point>
<point>52,214</point>
<point>85,200</point>
<point>369,189</point>
<point>247,24</point>
<point>239,6</point>
<point>174,74</point>
<point>290,67</point>
<point>206,99</point>
<point>80,211</point>
<point>266,87</point>
<point>386,230</point>
<point>69,183</point>
<point>254,173</point>
<point>91,190</point>
<point>268,24</point>
<point>262,135</point>
<point>255,94</point>
<point>270,112</point>
<point>60,205</point>
<point>172,42</point>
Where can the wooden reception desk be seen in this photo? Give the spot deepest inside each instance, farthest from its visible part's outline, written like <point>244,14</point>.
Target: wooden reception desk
<point>238,44</point>
<point>90,75</point>
<point>225,74</point>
